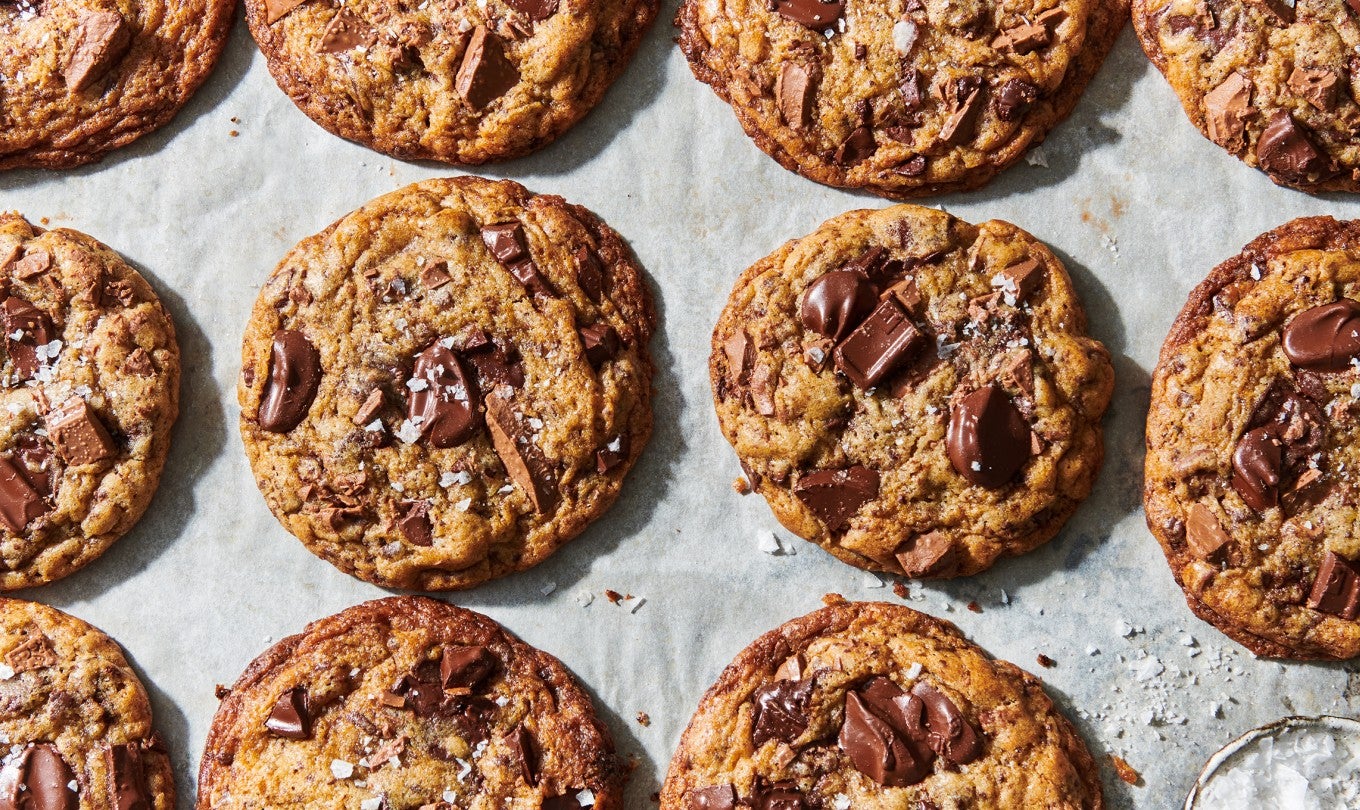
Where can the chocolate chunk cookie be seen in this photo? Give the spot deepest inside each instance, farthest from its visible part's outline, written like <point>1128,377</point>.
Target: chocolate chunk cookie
<point>460,83</point>
<point>915,394</point>
<point>89,387</point>
<point>79,78</point>
<point>1252,439</point>
<point>899,98</point>
<point>449,383</point>
<point>1273,82</point>
<point>75,721</point>
<point>408,703</point>
<point>872,705</point>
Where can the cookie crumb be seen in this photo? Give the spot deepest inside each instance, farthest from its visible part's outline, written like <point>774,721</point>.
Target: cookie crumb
<point>644,719</point>
<point>221,691</point>
<point>613,596</point>
<point>975,607</point>
<point>1045,661</point>
<point>1125,770</point>
<point>900,589</point>
<point>741,486</point>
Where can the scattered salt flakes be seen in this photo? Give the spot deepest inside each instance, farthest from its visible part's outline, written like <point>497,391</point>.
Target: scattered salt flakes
<point>1255,272</point>
<point>449,796</point>
<point>375,426</point>
<point>1110,245</point>
<point>16,335</point>
<point>14,408</point>
<point>638,604</point>
<point>548,588</point>
<point>501,700</point>
<point>840,802</point>
<point>1188,640</point>
<point>584,598</point>
<point>1005,597</point>
<point>73,786</point>
<point>914,671</point>
<point>1037,157</point>
<point>341,769</point>
<point>535,423</point>
<point>463,505</point>
<point>464,768</point>
<point>872,581</point>
<point>932,409</point>
<point>1355,391</point>
<point>586,798</point>
<point>417,384</point>
<point>6,672</point>
<point>409,432</point>
<point>398,486</point>
<point>1124,629</point>
<point>977,466</point>
<point>446,342</point>
<point>904,37</point>
<point>1147,669</point>
<point>767,542</point>
<point>447,480</point>
<point>505,490</point>
<point>48,351</point>
<point>374,803</point>
<point>1092,649</point>
<point>83,391</point>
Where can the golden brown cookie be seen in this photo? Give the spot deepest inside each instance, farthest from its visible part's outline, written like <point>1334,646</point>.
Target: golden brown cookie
<point>899,97</point>
<point>89,389</point>
<point>874,706</point>
<point>915,394</point>
<point>407,703</point>
<point>79,78</point>
<point>449,383</point>
<point>461,83</point>
<point>74,718</point>
<point>1274,82</point>
<point>1252,438</point>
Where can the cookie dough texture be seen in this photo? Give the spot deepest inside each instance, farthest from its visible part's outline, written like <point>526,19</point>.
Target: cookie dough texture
<point>90,392</point>
<point>79,78</point>
<point>1222,372</point>
<point>399,78</point>
<point>1273,83</point>
<point>365,744</point>
<point>410,271</point>
<point>1030,755</point>
<point>73,691</point>
<point>792,415</point>
<point>899,98</point>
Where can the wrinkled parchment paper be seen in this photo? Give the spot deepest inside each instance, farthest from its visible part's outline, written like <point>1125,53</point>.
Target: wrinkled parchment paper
<point>1132,198</point>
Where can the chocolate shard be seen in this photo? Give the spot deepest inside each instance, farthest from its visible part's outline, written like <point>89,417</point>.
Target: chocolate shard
<point>927,555</point>
<point>414,523</point>
<point>466,666</point>
<point>521,744</point>
<point>127,778</point>
<point>716,797</point>
<point>835,496</point>
<point>27,331</point>
<point>1256,468</point>
<point>612,454</point>
<point>443,395</point>
<point>506,242</point>
<point>1337,588</point>
<point>78,434</point>
<point>950,734</point>
<point>780,796</point>
<point>794,96</point>
<point>1324,338</point>
<point>1014,98</point>
<point>1204,534</point>
<point>857,147</point>
<point>275,10</point>
<point>289,718</point>
<point>485,73</point>
<point>346,32</point>
<point>589,273</point>
<point>20,501</point>
<point>1287,151</point>
<point>812,14</point>
<point>881,344</point>
<point>967,98</point>
<point>524,461</point>
<point>781,711</point>
<point>100,39</point>
<point>1019,281</point>
<point>837,302</point>
<point>1317,86</point>
<point>877,749</point>
<point>988,439</point>
<point>535,10</point>
<point>600,342</point>
<point>294,376</point>
<point>1226,110</point>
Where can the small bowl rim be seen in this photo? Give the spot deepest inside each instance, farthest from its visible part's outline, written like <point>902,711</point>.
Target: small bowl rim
<point>1333,721</point>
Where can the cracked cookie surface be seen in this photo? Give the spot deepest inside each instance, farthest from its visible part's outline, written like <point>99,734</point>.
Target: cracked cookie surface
<point>1252,441</point>
<point>79,78</point>
<point>90,392</point>
<point>899,97</point>
<point>407,703</point>
<point>915,394</point>
<point>449,383</point>
<point>457,82</point>
<point>876,706</point>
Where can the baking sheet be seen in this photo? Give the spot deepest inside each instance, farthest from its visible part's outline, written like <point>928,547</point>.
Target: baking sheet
<point>1137,204</point>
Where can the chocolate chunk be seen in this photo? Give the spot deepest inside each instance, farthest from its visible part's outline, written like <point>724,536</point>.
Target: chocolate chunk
<point>445,398</point>
<point>908,295</point>
<point>77,433</point>
<point>717,797</point>
<point>127,778</point>
<point>612,454</point>
<point>1019,281</point>
<point>589,274</point>
<point>837,302</point>
<point>1282,11</point>
<point>521,744</point>
<point>20,502</point>
<point>781,711</point>
<point>1204,534</point>
<point>780,796</point>
<point>1014,98</point>
<point>813,14</point>
<point>858,146</point>
<point>99,40</point>
<point>835,496</point>
<point>1286,150</point>
<point>912,167</point>
<point>435,275</point>
<point>486,73</point>
<point>876,749</point>
<point>741,356</point>
<point>414,523</point>
<point>346,32</point>
<point>27,329</point>
<point>910,86</point>
<point>1226,110</point>
<point>1022,39</point>
<point>1337,588</point>
<point>951,736</point>
<point>498,366</point>
<point>793,94</point>
<point>465,667</point>
<point>33,264</point>
<point>988,439</point>
<point>523,460</point>
<point>370,409</point>
<point>927,555</point>
<point>1324,338</point>
<point>536,10</point>
<point>1256,468</point>
<point>567,801</point>
<point>276,10</point>
<point>294,375</point>
<point>966,102</point>
<point>601,343</point>
<point>903,711</point>
<point>792,669</point>
<point>506,242</point>
<point>34,653</point>
<point>289,718</point>
<point>38,779</point>
<point>878,346</point>
<point>1317,86</point>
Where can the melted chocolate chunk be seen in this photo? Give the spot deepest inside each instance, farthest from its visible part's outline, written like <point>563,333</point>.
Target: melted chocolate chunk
<point>717,797</point>
<point>294,376</point>
<point>38,779</point>
<point>835,496</point>
<point>27,329</point>
<point>521,744</point>
<point>414,523</point>
<point>20,501</point>
<point>1256,468</point>
<point>289,718</point>
<point>1287,151</point>
<point>535,10</point>
<point>486,73</point>
<point>446,398</point>
<point>127,778</point>
<point>878,749</point>
<point>1324,338</point>
<point>837,302</point>
<point>812,14</point>
<point>1337,588</point>
<point>601,343</point>
<point>988,439</point>
<point>466,667</point>
<point>781,711</point>
<point>950,734</point>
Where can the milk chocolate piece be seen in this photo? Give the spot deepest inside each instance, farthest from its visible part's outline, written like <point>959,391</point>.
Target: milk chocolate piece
<point>1256,468</point>
<point>446,397</point>
<point>879,345</point>
<point>926,555</point>
<point>988,439</point>
<point>950,734</point>
<point>127,777</point>
<point>465,667</point>
<point>521,744</point>
<point>717,797</point>
<point>601,343</point>
<point>276,10</point>
<point>485,73</point>
<point>38,779</point>
<point>858,146</point>
<point>20,502</point>
<point>965,107</point>
<point>1286,150</point>
<point>837,302</point>
<point>1337,588</point>
<point>1226,109</point>
<point>1204,534</point>
<point>1324,338</point>
<point>294,375</point>
<point>289,718</point>
<point>99,40</point>
<point>78,435</point>
<point>27,329</point>
<point>1019,281</point>
<point>781,711</point>
<point>793,94</point>
<point>876,749</point>
<point>414,523</point>
<point>1317,86</point>
<point>346,32</point>
<point>535,10</point>
<point>1014,98</point>
<point>812,14</point>
<point>523,460</point>
<point>835,496</point>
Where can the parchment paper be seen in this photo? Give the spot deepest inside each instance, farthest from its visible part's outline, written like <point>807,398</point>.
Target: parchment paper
<point>1133,199</point>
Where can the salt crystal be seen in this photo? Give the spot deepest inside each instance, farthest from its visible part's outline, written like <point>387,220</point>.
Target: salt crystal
<point>341,769</point>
